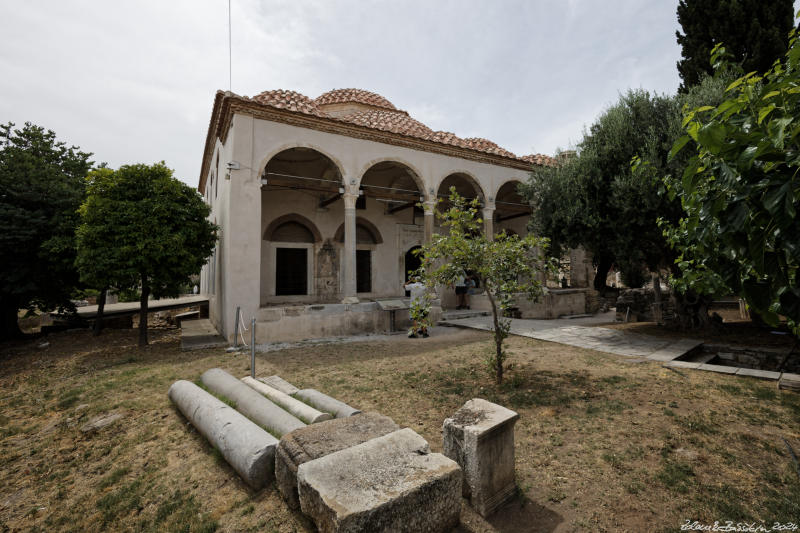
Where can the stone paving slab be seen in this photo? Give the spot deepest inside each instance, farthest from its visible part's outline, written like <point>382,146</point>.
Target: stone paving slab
<point>719,369</point>
<point>683,364</point>
<point>590,337</point>
<point>755,373</point>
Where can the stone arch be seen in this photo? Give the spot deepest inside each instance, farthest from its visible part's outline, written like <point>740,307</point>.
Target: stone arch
<point>416,175</point>
<point>292,217</point>
<point>471,179</point>
<point>366,224</point>
<point>504,183</point>
<point>262,166</point>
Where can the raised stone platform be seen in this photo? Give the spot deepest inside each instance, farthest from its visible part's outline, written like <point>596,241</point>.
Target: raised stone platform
<point>318,440</point>
<point>390,483</point>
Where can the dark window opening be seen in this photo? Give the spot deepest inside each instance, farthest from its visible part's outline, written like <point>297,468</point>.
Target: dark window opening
<point>291,272</point>
<point>363,271</point>
<point>412,263</point>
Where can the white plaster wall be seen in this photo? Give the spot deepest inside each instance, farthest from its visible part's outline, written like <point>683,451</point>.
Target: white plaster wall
<point>243,211</point>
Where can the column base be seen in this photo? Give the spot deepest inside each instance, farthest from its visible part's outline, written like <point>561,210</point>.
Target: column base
<point>350,300</point>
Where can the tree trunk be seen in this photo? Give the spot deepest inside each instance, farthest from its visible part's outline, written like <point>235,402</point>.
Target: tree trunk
<point>143,311</point>
<point>498,338</point>
<point>658,309</point>
<point>691,310</point>
<point>101,305</point>
<point>603,266</point>
<point>9,320</point>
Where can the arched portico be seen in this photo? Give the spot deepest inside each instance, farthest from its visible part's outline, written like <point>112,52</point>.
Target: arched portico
<point>512,212</point>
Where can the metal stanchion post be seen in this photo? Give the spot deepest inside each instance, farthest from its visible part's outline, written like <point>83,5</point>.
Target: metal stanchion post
<point>253,348</point>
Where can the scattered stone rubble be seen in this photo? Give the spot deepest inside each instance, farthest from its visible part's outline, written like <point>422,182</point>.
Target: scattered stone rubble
<point>357,471</point>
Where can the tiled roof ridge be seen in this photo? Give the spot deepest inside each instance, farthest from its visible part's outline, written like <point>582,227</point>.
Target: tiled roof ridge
<point>384,118</point>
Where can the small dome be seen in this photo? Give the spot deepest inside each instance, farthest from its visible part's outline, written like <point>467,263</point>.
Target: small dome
<point>289,100</point>
<point>359,96</point>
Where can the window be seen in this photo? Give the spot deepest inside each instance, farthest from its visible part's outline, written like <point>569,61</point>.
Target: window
<point>291,271</point>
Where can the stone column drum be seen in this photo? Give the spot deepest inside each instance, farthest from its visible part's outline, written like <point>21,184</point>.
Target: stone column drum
<point>480,438</point>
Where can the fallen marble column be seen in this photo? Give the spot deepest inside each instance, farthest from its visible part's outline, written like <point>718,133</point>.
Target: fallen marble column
<point>276,382</point>
<point>246,447</point>
<point>318,440</point>
<point>480,438</point>
<point>389,483</point>
<point>250,403</point>
<point>300,410</point>
<point>325,403</point>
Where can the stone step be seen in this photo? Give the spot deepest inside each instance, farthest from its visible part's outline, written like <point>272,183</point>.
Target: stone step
<point>789,382</point>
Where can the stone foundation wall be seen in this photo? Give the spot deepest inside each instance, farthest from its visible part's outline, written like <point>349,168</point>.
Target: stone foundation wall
<point>295,323</point>
<point>556,303</point>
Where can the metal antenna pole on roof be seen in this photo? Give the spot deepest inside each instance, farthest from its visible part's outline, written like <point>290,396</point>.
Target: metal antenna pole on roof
<point>230,54</point>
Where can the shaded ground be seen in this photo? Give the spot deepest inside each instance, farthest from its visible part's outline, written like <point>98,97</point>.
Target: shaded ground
<point>603,443</point>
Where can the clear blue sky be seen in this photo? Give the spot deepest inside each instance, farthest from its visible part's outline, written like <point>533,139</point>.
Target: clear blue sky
<point>134,81</point>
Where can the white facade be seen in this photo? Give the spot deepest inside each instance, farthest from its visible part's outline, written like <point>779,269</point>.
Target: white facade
<point>256,178</point>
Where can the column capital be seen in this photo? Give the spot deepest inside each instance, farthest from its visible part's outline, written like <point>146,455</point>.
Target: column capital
<point>429,206</point>
<point>349,199</point>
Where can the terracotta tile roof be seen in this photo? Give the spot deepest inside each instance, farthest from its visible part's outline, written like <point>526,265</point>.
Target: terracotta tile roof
<point>389,118</point>
<point>485,145</point>
<point>539,159</point>
<point>360,96</point>
<point>394,121</point>
<point>289,100</point>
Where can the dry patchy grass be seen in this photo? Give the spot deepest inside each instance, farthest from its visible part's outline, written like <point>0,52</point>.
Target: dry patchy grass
<point>602,444</point>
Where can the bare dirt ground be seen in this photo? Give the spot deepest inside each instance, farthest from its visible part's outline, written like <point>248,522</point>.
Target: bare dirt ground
<point>604,443</point>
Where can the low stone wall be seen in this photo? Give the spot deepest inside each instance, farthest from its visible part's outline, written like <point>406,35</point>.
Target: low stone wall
<point>295,323</point>
<point>556,303</point>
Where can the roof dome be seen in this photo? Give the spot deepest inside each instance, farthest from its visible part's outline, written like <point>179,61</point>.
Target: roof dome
<point>359,96</point>
<point>289,100</point>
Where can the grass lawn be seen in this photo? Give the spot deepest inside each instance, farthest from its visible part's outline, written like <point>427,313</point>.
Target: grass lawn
<point>603,444</point>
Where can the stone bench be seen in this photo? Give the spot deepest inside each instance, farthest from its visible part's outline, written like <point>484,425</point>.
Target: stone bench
<point>389,483</point>
<point>319,440</point>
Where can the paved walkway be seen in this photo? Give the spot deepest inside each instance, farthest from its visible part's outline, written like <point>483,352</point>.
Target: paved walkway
<point>583,333</point>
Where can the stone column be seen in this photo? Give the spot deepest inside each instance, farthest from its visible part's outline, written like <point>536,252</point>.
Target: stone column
<point>349,259</point>
<point>430,218</point>
<point>488,222</point>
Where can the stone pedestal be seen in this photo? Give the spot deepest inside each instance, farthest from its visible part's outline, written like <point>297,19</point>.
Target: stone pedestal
<point>389,483</point>
<point>480,438</point>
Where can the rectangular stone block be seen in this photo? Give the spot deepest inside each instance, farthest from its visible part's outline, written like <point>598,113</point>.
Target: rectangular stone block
<point>390,483</point>
<point>480,438</point>
<point>319,440</point>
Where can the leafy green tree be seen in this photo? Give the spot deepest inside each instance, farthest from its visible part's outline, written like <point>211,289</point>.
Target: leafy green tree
<point>741,193</point>
<point>506,267</point>
<point>142,227</point>
<point>754,32</point>
<point>41,187</point>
